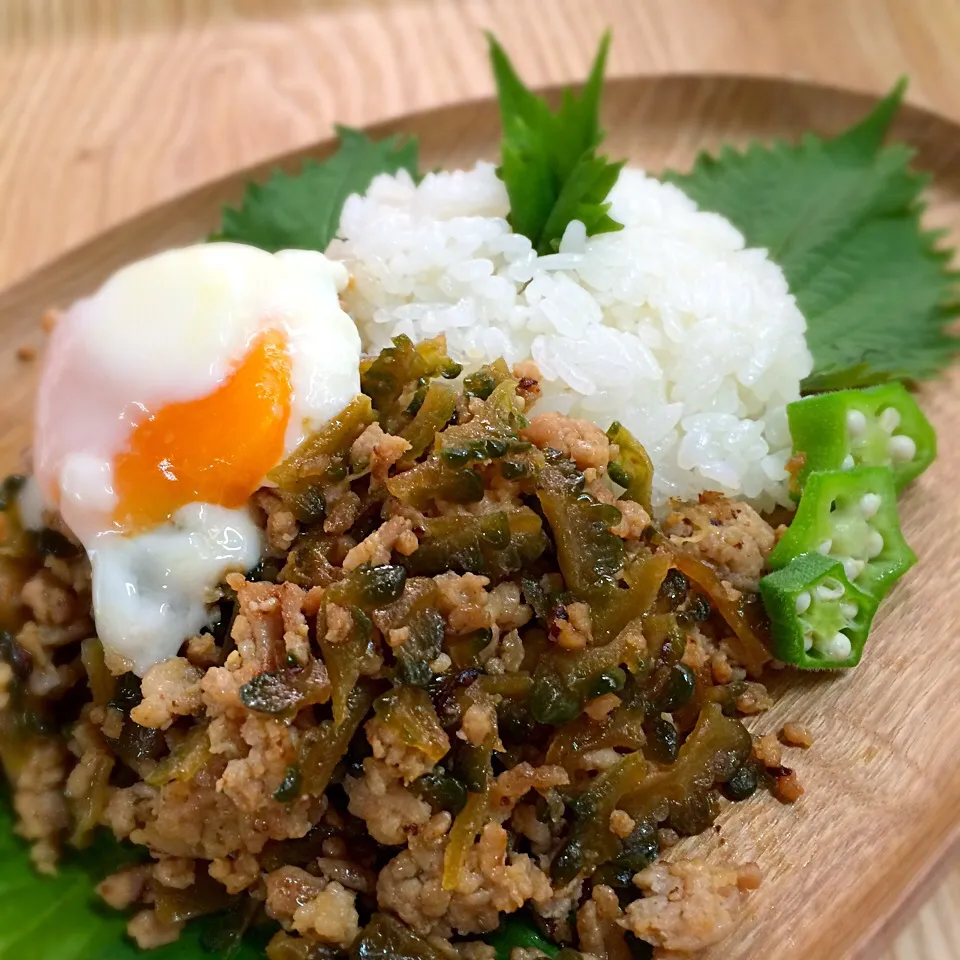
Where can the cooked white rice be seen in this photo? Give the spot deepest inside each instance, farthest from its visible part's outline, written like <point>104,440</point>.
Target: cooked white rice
<point>671,325</point>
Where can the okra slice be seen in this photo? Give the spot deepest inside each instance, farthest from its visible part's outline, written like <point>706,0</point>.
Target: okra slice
<point>880,426</point>
<point>818,619</point>
<point>850,516</point>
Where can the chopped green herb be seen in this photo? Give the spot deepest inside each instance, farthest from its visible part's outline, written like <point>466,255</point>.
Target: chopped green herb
<point>549,162</point>
<point>289,788</point>
<point>841,217</point>
<point>302,210</point>
<point>270,693</point>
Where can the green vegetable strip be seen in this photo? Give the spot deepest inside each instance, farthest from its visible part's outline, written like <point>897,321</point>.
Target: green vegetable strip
<point>882,426</point>
<point>633,467</point>
<point>384,937</point>
<point>818,619</point>
<point>325,746</point>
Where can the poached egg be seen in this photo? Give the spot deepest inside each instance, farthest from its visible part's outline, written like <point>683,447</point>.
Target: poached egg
<point>165,399</point>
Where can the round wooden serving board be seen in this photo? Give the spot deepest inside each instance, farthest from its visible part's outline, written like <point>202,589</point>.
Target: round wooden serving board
<point>881,812</point>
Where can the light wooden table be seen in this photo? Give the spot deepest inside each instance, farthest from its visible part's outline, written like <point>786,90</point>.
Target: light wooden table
<point>110,106</point>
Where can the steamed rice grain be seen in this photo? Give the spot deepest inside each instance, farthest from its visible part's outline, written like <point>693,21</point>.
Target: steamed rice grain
<point>671,326</point>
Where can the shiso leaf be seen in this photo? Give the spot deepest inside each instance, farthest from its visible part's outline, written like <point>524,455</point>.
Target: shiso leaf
<point>62,918</point>
<point>548,161</point>
<point>841,217</point>
<point>302,210</point>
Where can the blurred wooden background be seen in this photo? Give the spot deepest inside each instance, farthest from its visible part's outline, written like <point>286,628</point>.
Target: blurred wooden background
<point>108,107</point>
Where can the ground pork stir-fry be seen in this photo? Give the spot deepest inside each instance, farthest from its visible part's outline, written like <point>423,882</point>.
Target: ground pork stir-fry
<point>473,678</point>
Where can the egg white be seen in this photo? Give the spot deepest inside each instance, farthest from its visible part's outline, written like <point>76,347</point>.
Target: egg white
<point>170,329</point>
<point>150,590</point>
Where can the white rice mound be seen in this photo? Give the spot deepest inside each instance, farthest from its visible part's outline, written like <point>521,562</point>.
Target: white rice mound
<point>671,326</point>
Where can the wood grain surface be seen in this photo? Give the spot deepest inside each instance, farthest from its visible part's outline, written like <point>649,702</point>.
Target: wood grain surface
<point>108,107</point>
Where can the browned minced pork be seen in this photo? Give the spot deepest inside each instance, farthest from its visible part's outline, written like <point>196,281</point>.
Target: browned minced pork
<point>330,917</point>
<point>767,750</point>
<point>478,723</point>
<point>468,605</point>
<point>634,520</point>
<point>406,761</point>
<point>236,872</point>
<point>39,801</point>
<point>787,787</point>
<point>493,882</point>
<point>347,874</point>
<point>796,735</point>
<point>518,781</point>
<point>271,623</point>
<point>528,375</point>
<point>6,679</point>
<point>281,525</point>
<point>322,909</point>
<point>754,699</point>
<point>396,534</point>
<point>227,812</point>
<point>287,888</point>
<point>475,950</point>
<point>621,823</point>
<point>51,602</point>
<point>730,535</point>
<point>125,887</point>
<point>689,905</point>
<point>175,872</point>
<point>584,442</point>
<point>598,929</point>
<point>150,932</point>
<point>379,798</point>
<point>377,450</point>
<point>170,689</point>
<point>343,506</point>
<point>572,629</point>
<point>202,650</point>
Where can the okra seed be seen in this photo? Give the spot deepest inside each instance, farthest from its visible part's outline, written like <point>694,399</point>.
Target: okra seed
<point>856,422</point>
<point>853,567</point>
<point>874,544</point>
<point>901,448</point>
<point>869,505</point>
<point>803,602</point>
<point>889,419</point>
<point>830,589</point>
<point>808,640</point>
<point>825,547</point>
<point>848,462</point>
<point>849,610</point>
<point>838,647</point>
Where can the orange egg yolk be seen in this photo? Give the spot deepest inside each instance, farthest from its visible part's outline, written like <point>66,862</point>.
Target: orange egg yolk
<point>215,449</point>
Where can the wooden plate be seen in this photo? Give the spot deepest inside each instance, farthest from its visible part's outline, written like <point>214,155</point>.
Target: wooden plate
<point>881,812</point>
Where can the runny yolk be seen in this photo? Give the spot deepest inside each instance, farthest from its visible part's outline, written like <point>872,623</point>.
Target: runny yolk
<point>215,449</point>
